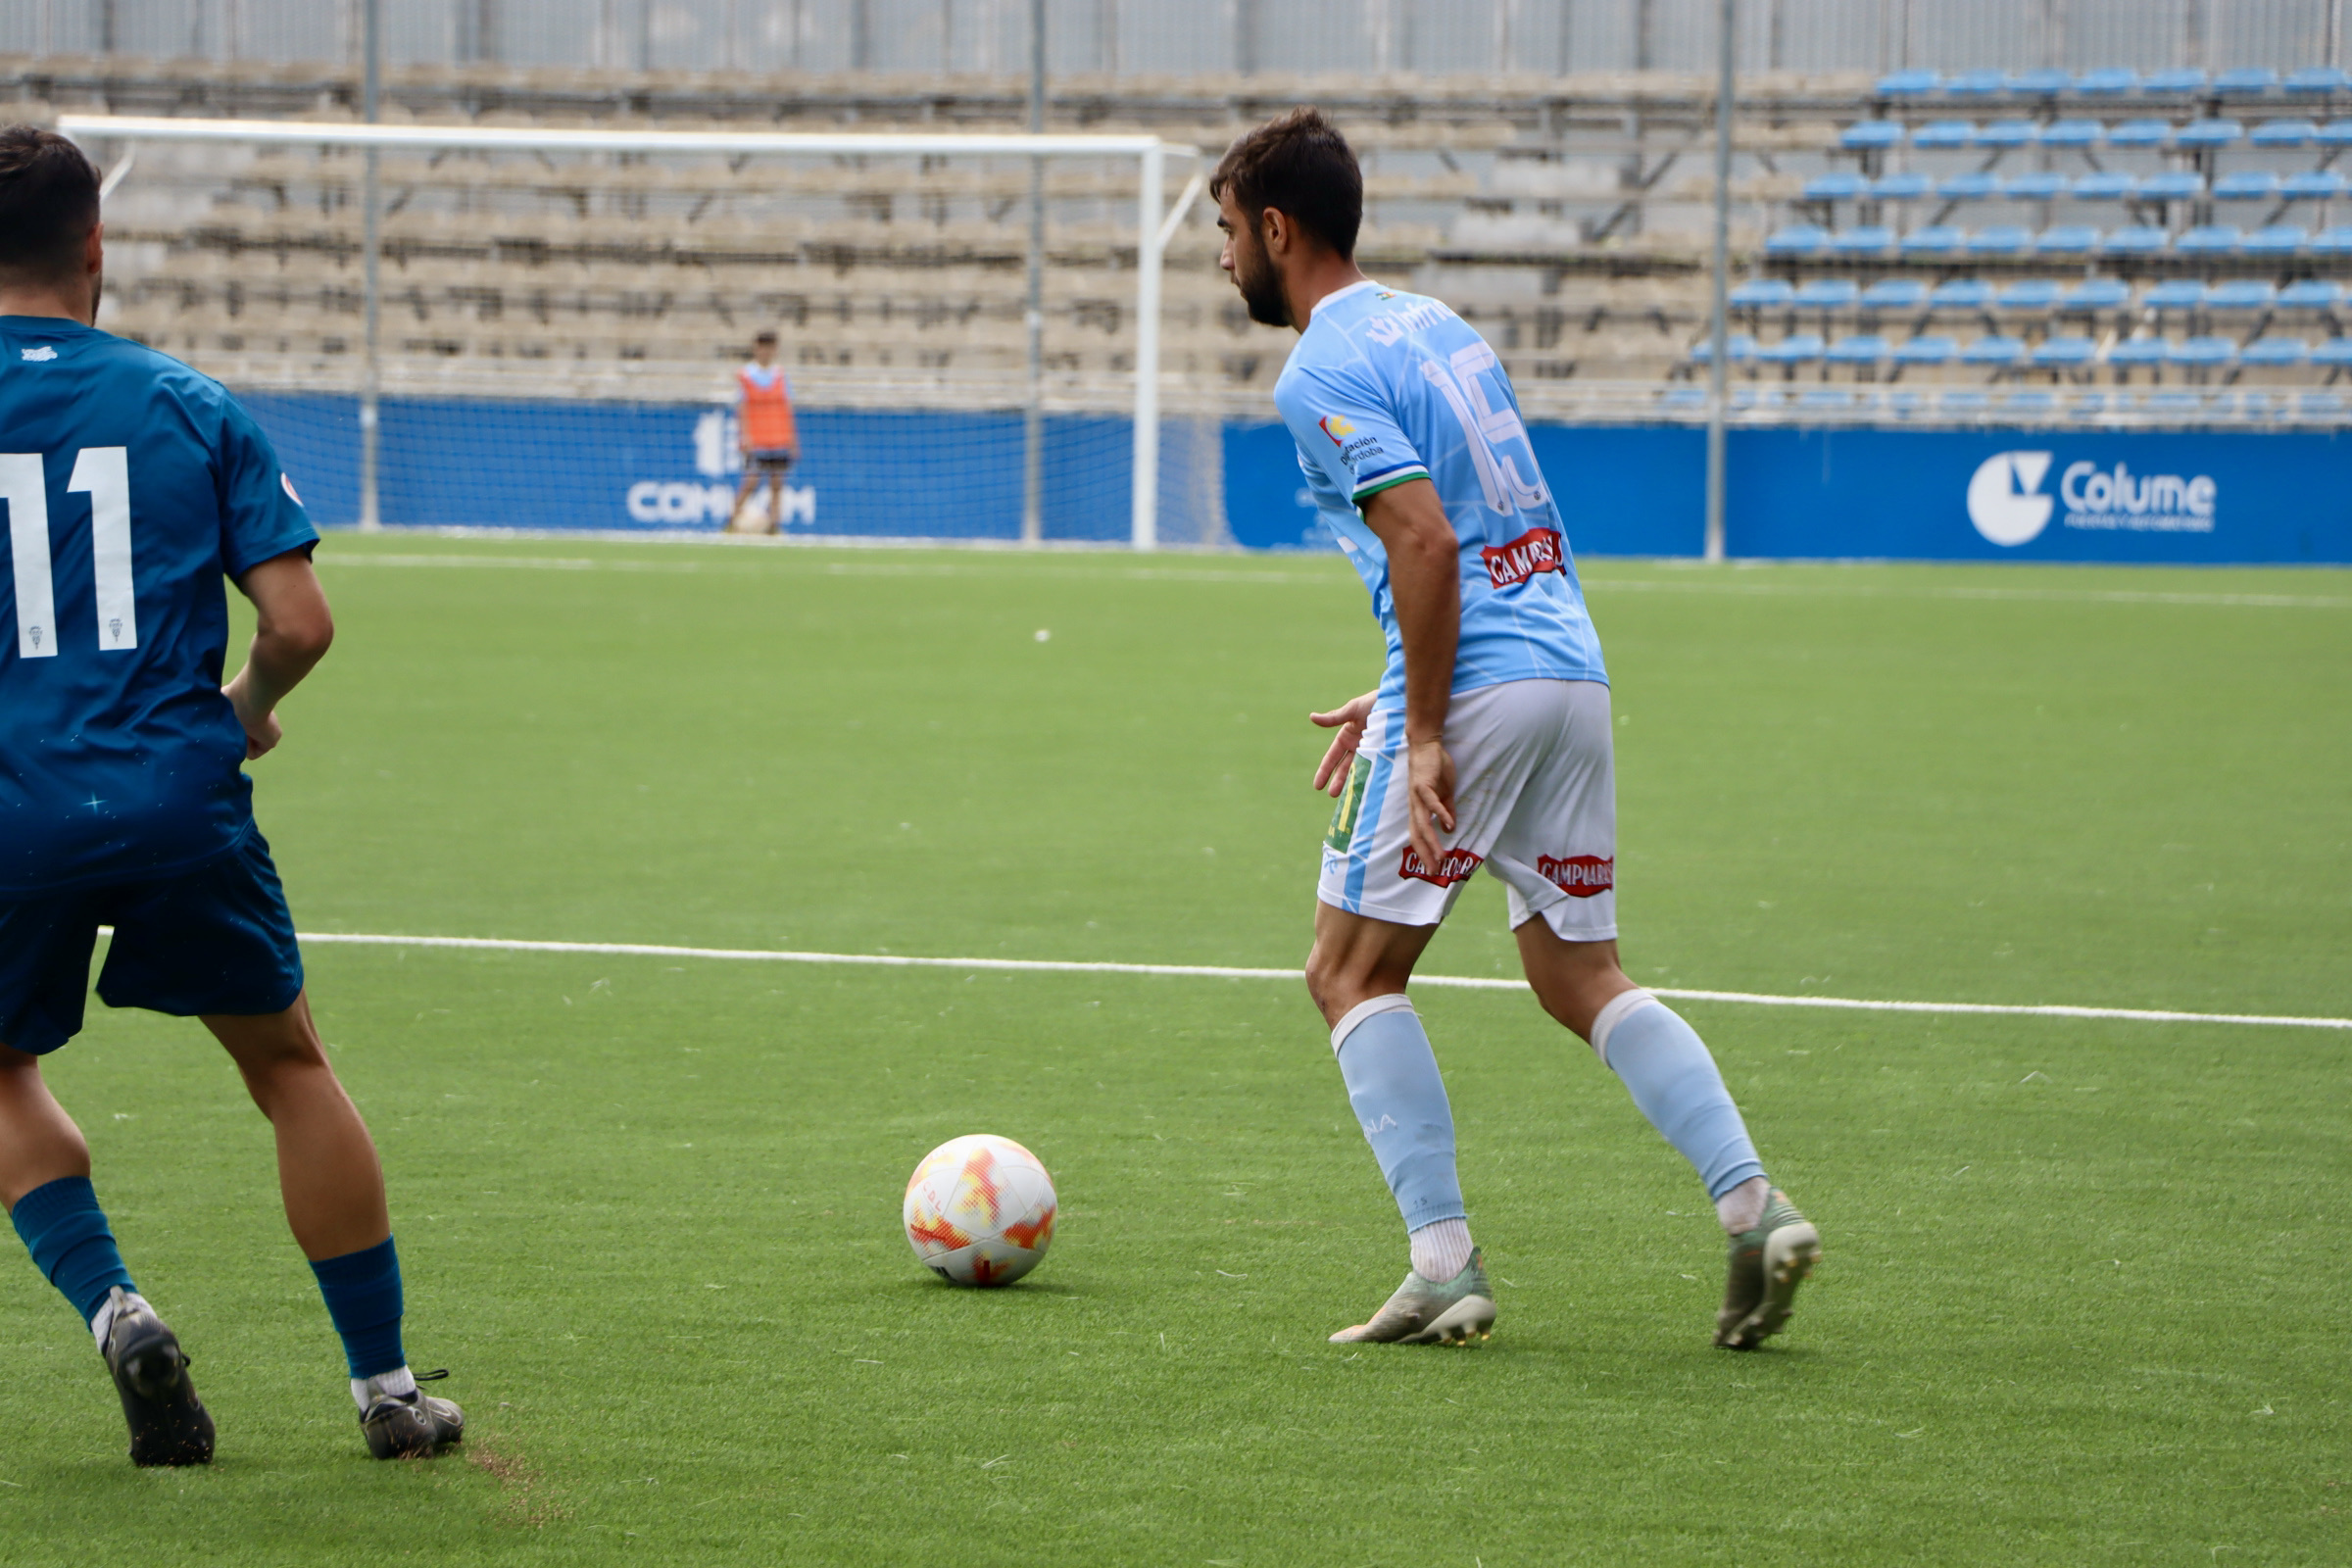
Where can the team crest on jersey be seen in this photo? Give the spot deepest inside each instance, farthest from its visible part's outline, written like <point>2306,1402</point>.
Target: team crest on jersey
<point>286,480</point>
<point>1455,865</point>
<point>1580,876</point>
<point>1336,426</point>
<point>1535,551</point>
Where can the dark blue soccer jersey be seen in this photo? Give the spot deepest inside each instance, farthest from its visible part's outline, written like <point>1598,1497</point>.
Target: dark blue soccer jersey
<point>131,484</point>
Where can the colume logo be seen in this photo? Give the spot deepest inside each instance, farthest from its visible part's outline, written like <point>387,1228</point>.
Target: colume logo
<point>2003,500</point>
<point>2006,504</point>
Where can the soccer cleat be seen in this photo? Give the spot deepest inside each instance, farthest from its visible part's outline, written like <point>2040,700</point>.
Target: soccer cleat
<point>169,1423</point>
<point>1767,1265</point>
<point>412,1426</point>
<point>1424,1313</point>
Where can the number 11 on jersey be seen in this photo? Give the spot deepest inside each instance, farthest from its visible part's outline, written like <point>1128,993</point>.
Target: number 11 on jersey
<point>103,473</point>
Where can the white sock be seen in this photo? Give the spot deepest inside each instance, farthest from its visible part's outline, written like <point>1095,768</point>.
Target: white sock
<point>396,1385</point>
<point>1441,1250</point>
<point>105,1319</point>
<point>1743,1208</point>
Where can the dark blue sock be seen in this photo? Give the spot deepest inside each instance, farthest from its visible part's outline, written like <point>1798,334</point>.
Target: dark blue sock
<point>65,1230</point>
<point>362,1296</point>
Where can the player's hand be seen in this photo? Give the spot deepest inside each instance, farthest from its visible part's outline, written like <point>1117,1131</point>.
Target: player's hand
<point>1331,774</point>
<point>1430,768</point>
<point>262,730</point>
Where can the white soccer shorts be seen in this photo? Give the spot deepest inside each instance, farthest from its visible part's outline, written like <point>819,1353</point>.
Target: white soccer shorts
<point>1535,798</point>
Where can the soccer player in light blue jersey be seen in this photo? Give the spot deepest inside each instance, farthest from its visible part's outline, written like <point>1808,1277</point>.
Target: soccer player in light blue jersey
<point>1487,741</point>
<point>131,487</point>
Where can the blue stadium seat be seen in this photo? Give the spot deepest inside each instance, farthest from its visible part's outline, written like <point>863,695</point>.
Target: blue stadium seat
<point>1798,239</point>
<point>1865,135</point>
<point>1903,402</point>
<point>2284,133</point>
<point>1869,239</point>
<point>2064,353</point>
<point>2247,185</point>
<point>1994,349</point>
<point>1825,400</point>
<point>2138,240</point>
<point>2009,134</point>
<point>2096,294</point>
<point>1964,401</point>
<point>2001,239</point>
<point>2028,404</point>
<point>1972,186</point>
<point>2247,81</point>
<point>1762,294</point>
<point>2037,185</point>
<point>2319,406</point>
<point>2314,186</point>
<point>1862,348</point>
<point>1738,347</point>
<point>2337,241</point>
<point>2241,294</point>
<point>1683,398</point>
<point>2067,239</point>
<point>2176,80</point>
<point>2140,350</point>
<point>1827,294</point>
<point>1908,84</point>
<point>2031,294</point>
<point>1930,349</point>
<point>2177,403</point>
<point>2140,134</point>
<point>1802,348</point>
<point>1961,294</point>
<point>2333,353</point>
<point>2208,133</point>
<point>1977,84</point>
<point>2203,353</point>
<point>2318,78</point>
<point>1895,294</point>
<point>2278,239</point>
<point>1945,133</point>
<point>2072,133</point>
<point>1936,239</point>
<point>2335,133</point>
<point>2175,294</point>
<point>2107,186</point>
<point>2212,239</point>
<point>1901,187</point>
<point>2045,83</point>
<point>1840,186</point>
<point>2087,405</point>
<point>2311,294</point>
<point>2274,352</point>
<point>2173,185</point>
<point>2107,82</point>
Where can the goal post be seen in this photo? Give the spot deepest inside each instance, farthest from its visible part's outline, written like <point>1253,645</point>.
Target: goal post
<point>940,174</point>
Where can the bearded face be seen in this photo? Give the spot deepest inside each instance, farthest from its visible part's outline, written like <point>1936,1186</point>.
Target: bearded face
<point>1254,275</point>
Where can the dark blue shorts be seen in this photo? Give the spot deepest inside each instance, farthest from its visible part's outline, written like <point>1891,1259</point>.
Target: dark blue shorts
<point>217,939</point>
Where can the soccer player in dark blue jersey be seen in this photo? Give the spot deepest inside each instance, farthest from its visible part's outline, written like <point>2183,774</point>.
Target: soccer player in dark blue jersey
<point>131,486</point>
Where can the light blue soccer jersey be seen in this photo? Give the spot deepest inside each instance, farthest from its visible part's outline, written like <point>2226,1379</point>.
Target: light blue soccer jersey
<point>132,485</point>
<point>1386,386</point>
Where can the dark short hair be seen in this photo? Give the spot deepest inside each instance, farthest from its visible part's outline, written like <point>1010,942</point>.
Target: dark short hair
<point>1301,164</point>
<point>48,203</point>
<point>764,337</point>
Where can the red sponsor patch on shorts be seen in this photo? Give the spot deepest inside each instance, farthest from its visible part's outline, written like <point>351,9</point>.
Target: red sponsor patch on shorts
<point>1509,566</point>
<point>1580,876</point>
<point>1455,866</point>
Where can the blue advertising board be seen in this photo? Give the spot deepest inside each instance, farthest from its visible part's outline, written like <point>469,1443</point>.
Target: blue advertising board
<point>2185,497</point>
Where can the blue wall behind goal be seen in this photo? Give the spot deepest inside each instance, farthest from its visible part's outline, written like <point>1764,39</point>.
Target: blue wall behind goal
<point>2186,497</point>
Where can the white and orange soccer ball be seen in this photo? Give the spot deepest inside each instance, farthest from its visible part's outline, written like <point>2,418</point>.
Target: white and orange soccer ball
<point>980,1211</point>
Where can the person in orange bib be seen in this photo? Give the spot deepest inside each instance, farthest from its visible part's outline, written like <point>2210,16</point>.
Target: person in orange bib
<point>772,444</point>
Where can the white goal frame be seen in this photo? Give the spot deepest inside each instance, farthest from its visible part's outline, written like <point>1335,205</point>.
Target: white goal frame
<point>1156,222</point>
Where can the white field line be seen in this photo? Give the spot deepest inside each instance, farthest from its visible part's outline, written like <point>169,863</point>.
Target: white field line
<point>894,960</point>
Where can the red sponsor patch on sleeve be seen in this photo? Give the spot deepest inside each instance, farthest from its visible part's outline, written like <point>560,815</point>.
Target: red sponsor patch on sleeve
<point>1535,551</point>
<point>1580,876</point>
<point>1455,865</point>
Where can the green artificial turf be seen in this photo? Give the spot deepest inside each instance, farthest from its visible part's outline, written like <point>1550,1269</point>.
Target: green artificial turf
<point>2081,1296</point>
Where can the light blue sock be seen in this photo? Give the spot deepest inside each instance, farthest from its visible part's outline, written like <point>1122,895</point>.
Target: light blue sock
<point>1399,1101</point>
<point>1675,1082</point>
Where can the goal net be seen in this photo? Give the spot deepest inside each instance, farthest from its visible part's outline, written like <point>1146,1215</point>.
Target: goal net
<point>559,317</point>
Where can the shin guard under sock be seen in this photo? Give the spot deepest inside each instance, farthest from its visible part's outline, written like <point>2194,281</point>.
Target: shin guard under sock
<point>1675,1081</point>
<point>1399,1101</point>
<point>66,1231</point>
<point>362,1296</point>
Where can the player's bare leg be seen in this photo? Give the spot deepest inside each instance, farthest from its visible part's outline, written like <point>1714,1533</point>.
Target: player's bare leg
<point>40,1143</point>
<point>1676,1083</point>
<point>743,494</point>
<point>775,504</point>
<point>333,1187</point>
<point>1358,974</point>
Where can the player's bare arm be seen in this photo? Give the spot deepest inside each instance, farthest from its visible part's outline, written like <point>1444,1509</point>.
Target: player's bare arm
<point>1425,576</point>
<point>294,628</point>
